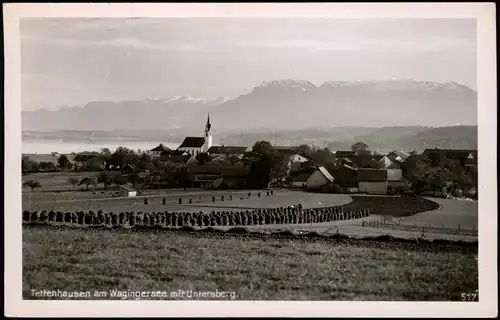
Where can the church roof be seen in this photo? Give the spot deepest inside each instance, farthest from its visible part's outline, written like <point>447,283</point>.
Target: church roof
<point>193,142</point>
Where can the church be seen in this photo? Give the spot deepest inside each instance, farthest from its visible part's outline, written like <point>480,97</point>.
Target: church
<point>197,145</point>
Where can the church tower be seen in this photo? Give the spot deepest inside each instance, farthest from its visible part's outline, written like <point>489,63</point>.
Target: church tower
<point>208,135</point>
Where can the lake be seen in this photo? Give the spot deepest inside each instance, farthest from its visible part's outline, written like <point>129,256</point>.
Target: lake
<point>47,146</point>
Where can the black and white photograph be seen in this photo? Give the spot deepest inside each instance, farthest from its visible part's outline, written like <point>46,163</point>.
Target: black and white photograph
<point>247,153</point>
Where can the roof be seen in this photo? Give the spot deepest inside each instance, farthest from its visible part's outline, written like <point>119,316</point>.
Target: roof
<point>399,153</point>
<point>372,175</point>
<point>453,154</point>
<point>180,158</point>
<point>127,188</point>
<point>192,142</point>
<point>160,147</point>
<point>172,152</point>
<point>227,149</point>
<point>359,160</point>
<point>299,156</point>
<point>327,174</point>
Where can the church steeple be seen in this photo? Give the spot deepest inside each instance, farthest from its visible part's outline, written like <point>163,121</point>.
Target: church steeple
<point>208,135</point>
<point>208,126</point>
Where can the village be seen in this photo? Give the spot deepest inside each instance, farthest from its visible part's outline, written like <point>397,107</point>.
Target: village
<point>197,163</point>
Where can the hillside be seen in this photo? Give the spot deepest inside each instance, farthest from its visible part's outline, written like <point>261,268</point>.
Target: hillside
<point>380,139</point>
<point>281,105</point>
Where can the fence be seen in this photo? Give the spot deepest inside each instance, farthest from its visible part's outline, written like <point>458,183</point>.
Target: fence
<point>414,227</point>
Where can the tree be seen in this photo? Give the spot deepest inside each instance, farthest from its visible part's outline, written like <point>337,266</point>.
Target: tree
<point>145,162</point>
<point>73,181</point>
<point>119,180</point>
<point>260,172</point>
<point>87,181</point>
<point>47,165</point>
<point>96,163</point>
<point>63,161</point>
<point>202,158</point>
<point>124,156</point>
<point>105,179</point>
<point>134,179</point>
<point>105,151</point>
<point>361,148</point>
<point>304,150</point>
<point>25,164</point>
<point>32,184</point>
<point>322,156</point>
<point>262,147</point>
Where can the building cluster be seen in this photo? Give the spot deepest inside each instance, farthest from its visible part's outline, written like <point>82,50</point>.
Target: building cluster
<point>349,170</point>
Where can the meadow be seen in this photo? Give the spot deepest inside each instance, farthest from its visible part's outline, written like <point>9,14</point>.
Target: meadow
<point>271,267</point>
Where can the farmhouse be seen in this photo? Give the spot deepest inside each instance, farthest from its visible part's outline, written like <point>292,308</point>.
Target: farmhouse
<point>296,162</point>
<point>214,176</point>
<point>319,179</point>
<point>298,179</point>
<point>127,191</point>
<point>345,177</point>
<point>465,157</point>
<point>372,181</point>
<point>156,152</point>
<point>82,158</point>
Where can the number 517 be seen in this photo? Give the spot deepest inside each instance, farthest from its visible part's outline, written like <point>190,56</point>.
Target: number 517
<point>470,296</point>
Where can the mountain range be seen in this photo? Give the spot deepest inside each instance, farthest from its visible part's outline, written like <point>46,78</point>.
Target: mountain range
<point>277,105</point>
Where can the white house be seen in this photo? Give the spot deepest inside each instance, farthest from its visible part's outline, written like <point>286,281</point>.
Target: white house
<point>197,145</point>
<point>319,178</point>
<point>156,152</point>
<point>296,163</point>
<point>127,191</point>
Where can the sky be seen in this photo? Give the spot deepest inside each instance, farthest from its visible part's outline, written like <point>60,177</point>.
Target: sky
<point>73,61</point>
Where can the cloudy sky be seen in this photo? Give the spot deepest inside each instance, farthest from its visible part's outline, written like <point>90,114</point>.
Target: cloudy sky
<point>68,62</point>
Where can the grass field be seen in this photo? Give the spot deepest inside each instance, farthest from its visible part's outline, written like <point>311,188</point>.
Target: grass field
<point>202,201</point>
<point>252,267</point>
<point>450,214</point>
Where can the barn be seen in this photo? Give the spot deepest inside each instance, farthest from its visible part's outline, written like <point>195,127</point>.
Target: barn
<point>372,181</point>
<point>319,178</point>
<point>127,191</point>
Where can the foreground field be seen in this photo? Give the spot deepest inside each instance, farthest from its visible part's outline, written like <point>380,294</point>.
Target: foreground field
<point>275,268</point>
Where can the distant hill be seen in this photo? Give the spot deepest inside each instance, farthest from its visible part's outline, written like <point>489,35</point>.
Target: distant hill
<point>280,105</point>
<point>380,139</point>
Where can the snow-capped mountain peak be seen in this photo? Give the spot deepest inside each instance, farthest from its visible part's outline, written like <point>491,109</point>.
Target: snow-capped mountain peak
<point>289,84</point>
